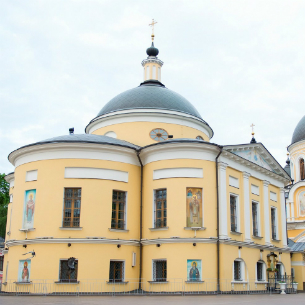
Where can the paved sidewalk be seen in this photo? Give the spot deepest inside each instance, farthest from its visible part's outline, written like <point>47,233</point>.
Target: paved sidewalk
<point>153,300</point>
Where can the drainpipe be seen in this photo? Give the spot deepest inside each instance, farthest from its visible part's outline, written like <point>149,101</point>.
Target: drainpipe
<point>141,221</point>
<point>217,196</point>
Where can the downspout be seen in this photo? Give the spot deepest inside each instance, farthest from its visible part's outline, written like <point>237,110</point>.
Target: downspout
<point>217,196</point>
<point>141,221</point>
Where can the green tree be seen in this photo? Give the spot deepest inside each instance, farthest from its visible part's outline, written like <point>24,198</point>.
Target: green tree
<point>4,200</point>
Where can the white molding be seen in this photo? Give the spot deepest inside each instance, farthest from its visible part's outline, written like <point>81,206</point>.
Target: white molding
<point>293,189</point>
<point>273,196</point>
<point>178,172</point>
<point>10,178</point>
<point>171,151</point>
<point>253,169</point>
<point>255,189</point>
<point>233,181</point>
<point>283,217</point>
<point>247,220</point>
<point>222,193</point>
<point>298,263</point>
<point>95,173</point>
<point>51,151</point>
<point>149,115</point>
<point>266,212</point>
<point>31,175</point>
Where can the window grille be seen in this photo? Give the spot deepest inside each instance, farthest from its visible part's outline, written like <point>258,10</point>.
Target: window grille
<point>66,274</point>
<point>254,219</point>
<point>160,208</point>
<point>116,271</point>
<point>273,223</point>
<point>72,204</point>
<point>237,271</point>
<point>160,270</point>
<point>118,210</point>
<point>1,262</point>
<point>279,271</point>
<point>302,169</point>
<point>233,211</point>
<point>259,269</point>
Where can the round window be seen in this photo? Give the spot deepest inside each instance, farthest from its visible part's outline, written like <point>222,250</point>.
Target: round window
<point>199,138</point>
<point>159,134</point>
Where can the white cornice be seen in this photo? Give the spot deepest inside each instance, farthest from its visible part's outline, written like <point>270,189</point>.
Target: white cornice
<point>179,150</point>
<point>293,189</point>
<point>149,115</point>
<point>146,242</point>
<point>296,146</point>
<point>152,59</point>
<point>77,150</point>
<point>10,177</point>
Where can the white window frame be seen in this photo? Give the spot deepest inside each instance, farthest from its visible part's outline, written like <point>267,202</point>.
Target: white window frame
<point>234,182</point>
<point>124,267</point>
<point>264,272</point>
<point>273,196</point>
<point>276,222</point>
<point>152,269</point>
<point>255,188</point>
<point>242,271</point>
<point>237,212</point>
<point>258,218</point>
<point>154,208</point>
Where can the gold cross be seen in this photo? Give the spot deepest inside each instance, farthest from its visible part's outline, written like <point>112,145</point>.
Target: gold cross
<point>252,125</point>
<point>153,27</point>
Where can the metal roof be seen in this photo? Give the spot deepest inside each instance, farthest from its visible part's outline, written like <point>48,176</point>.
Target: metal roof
<point>298,247</point>
<point>299,131</point>
<point>150,95</point>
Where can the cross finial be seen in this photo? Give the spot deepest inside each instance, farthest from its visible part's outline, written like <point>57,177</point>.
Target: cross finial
<point>152,24</point>
<point>252,126</point>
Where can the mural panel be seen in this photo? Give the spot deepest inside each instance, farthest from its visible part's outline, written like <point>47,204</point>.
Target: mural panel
<point>29,209</point>
<point>24,270</point>
<point>302,203</point>
<point>193,207</point>
<point>194,270</point>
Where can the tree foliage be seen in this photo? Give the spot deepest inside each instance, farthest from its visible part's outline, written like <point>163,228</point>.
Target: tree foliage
<point>4,200</point>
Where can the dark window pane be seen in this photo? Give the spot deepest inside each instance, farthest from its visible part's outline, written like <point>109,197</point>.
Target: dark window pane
<point>68,203</point>
<point>77,203</point>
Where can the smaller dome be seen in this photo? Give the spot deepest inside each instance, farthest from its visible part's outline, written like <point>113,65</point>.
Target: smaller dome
<point>299,131</point>
<point>152,51</point>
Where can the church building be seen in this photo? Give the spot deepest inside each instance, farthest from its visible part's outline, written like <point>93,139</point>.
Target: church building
<point>144,200</point>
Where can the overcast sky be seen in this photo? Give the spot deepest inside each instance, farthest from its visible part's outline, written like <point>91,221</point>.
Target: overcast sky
<point>237,62</point>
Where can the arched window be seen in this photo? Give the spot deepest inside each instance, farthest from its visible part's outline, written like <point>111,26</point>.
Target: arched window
<point>239,270</point>
<point>302,170</point>
<point>280,271</point>
<point>147,73</point>
<point>154,72</point>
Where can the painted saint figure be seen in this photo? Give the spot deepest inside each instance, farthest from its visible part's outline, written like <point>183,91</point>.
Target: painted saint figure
<point>302,203</point>
<point>194,273</point>
<point>25,273</point>
<point>194,210</point>
<point>30,206</point>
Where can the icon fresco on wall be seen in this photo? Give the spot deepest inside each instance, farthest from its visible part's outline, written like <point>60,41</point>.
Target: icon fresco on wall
<point>194,270</point>
<point>193,207</point>
<point>24,270</point>
<point>302,203</point>
<point>29,209</point>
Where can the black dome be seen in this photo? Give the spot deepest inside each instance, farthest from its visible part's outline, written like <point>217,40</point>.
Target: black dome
<point>299,131</point>
<point>152,51</point>
<point>150,95</point>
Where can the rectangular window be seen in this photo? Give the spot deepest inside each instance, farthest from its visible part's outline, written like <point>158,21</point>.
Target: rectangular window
<point>259,270</point>
<point>72,203</point>
<point>118,210</point>
<point>1,262</point>
<point>68,272</point>
<point>233,213</point>
<point>237,271</point>
<point>160,270</point>
<point>116,271</point>
<point>255,218</point>
<point>273,223</point>
<point>160,209</point>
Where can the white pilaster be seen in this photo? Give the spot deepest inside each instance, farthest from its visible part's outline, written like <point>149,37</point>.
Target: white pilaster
<point>283,217</point>
<point>247,220</point>
<point>222,193</point>
<point>266,212</point>
<point>292,211</point>
<point>288,211</point>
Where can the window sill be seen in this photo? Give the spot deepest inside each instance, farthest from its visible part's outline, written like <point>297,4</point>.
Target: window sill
<point>26,230</point>
<point>117,283</point>
<point>261,282</point>
<point>158,282</point>
<point>236,233</point>
<point>23,283</point>
<point>194,282</point>
<point>158,229</point>
<point>195,228</point>
<point>118,230</point>
<point>65,283</point>
<point>239,282</point>
<point>257,237</point>
<point>276,240</point>
<point>71,228</point>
